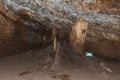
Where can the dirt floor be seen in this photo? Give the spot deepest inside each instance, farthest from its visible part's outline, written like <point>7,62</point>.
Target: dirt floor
<point>25,66</point>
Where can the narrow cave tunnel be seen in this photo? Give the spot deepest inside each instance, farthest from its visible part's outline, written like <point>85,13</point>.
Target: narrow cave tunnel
<point>60,40</point>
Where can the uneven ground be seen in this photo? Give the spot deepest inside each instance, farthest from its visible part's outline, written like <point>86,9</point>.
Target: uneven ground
<point>25,66</point>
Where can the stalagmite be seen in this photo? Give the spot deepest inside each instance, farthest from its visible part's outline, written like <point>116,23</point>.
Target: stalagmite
<point>54,35</point>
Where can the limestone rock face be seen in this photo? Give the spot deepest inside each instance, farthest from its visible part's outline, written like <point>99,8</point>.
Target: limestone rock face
<point>104,41</point>
<point>104,48</point>
<point>14,35</point>
<point>27,22</point>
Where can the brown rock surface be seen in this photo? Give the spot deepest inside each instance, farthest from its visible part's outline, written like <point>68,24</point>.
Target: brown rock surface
<point>26,24</point>
<point>78,36</point>
<point>14,35</point>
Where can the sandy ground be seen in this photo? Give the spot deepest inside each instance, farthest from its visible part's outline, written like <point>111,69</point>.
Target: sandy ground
<point>27,67</point>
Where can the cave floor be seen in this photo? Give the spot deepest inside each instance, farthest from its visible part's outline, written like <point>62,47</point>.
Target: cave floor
<point>27,67</point>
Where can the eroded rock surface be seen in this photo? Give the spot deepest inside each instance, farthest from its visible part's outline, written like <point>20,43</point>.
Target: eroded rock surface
<point>25,22</point>
<point>14,35</point>
<point>78,36</point>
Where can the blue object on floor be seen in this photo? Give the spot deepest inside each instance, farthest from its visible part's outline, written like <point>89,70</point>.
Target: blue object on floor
<point>88,54</point>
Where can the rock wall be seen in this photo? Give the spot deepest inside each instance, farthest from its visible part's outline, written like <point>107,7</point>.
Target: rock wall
<point>36,16</point>
<point>14,35</point>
